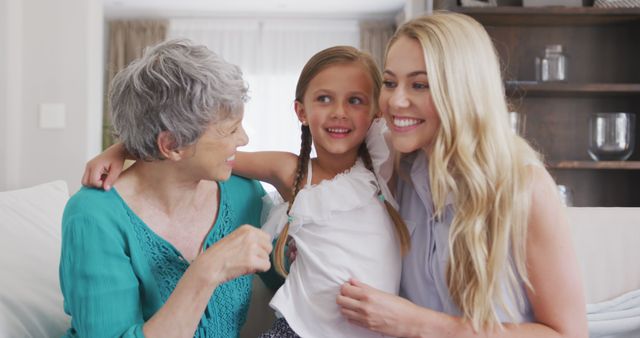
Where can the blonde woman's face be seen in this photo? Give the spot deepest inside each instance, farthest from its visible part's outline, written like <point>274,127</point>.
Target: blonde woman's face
<point>405,98</point>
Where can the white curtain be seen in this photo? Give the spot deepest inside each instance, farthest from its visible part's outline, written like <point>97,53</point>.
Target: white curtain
<point>374,36</point>
<point>271,54</point>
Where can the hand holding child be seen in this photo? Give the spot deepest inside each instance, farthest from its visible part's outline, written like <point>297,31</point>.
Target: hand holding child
<point>378,311</point>
<point>244,251</point>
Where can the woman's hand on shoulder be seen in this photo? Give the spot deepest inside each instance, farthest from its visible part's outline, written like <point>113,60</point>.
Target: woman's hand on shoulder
<point>380,311</point>
<point>244,251</point>
<point>104,169</point>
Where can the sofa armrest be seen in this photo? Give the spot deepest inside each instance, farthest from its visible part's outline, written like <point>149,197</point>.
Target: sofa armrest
<point>607,243</point>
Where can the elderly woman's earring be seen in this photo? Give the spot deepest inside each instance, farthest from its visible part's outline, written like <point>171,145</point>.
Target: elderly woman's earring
<point>305,123</point>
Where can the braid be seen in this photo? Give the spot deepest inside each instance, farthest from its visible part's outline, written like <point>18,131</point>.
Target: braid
<point>301,169</point>
<point>363,152</point>
<point>400,226</point>
<point>303,161</point>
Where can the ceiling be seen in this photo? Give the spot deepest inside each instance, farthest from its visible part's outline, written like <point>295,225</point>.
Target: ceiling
<point>273,8</point>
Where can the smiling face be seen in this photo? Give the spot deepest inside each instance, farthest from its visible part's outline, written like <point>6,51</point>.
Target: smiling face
<point>337,106</point>
<point>211,157</point>
<point>405,99</point>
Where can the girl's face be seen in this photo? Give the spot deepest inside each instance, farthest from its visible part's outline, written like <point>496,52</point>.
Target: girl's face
<point>405,98</point>
<point>337,107</point>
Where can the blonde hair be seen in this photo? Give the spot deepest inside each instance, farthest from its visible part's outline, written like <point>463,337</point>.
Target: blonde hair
<point>319,62</point>
<point>480,161</point>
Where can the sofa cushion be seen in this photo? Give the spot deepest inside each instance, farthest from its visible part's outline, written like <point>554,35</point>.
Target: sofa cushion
<point>607,246</point>
<point>31,303</point>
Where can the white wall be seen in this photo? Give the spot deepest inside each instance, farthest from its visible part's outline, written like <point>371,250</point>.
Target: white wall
<point>54,56</point>
<point>10,99</point>
<point>413,9</point>
<point>3,87</point>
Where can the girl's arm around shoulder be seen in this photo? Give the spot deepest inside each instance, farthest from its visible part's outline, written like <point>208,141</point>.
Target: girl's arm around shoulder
<point>277,168</point>
<point>103,170</point>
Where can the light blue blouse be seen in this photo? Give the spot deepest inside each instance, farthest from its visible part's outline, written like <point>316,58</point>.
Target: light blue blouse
<point>115,272</point>
<point>424,267</point>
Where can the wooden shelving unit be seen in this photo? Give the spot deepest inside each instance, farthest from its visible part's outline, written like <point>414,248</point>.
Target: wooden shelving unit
<point>573,89</point>
<point>603,49</point>
<point>551,16</point>
<point>612,165</point>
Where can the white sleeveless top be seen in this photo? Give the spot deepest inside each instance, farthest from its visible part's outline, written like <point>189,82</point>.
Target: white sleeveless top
<point>342,230</point>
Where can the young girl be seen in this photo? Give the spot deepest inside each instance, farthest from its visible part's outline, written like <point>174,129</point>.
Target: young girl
<point>338,207</point>
<point>491,251</point>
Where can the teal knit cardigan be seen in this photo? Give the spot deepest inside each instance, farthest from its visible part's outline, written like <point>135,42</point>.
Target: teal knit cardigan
<point>115,272</point>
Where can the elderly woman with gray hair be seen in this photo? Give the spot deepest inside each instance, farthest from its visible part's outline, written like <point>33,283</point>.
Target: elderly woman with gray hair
<point>168,252</point>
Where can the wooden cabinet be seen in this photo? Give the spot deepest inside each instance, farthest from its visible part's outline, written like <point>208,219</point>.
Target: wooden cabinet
<point>603,49</point>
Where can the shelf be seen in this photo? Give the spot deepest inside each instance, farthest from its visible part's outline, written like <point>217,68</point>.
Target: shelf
<point>571,89</point>
<point>551,16</point>
<point>612,165</point>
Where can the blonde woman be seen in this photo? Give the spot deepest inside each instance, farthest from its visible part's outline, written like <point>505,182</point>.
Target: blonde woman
<point>491,253</point>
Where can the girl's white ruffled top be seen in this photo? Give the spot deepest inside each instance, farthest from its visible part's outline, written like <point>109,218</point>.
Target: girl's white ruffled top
<point>342,230</point>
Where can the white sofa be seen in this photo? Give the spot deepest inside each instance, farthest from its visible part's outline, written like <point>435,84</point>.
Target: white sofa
<point>606,241</point>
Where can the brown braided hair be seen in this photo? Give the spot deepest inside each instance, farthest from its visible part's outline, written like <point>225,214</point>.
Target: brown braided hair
<point>303,163</point>
<point>401,228</point>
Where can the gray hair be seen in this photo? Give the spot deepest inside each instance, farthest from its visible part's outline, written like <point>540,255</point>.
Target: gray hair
<point>176,87</point>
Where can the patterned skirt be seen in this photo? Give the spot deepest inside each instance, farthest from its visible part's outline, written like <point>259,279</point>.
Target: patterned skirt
<point>280,329</point>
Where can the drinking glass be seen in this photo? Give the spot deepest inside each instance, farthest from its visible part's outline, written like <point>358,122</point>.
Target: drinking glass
<point>611,136</point>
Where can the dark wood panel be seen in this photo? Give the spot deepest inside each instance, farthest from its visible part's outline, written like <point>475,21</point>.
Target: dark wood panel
<point>571,89</point>
<point>559,127</point>
<point>589,165</point>
<point>551,16</point>
<point>596,54</point>
<point>601,188</point>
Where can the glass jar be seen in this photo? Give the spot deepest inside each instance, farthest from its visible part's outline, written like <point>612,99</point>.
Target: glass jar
<point>553,65</point>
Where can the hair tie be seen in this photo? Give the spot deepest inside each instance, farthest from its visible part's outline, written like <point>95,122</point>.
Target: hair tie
<point>289,219</point>
<point>381,197</point>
